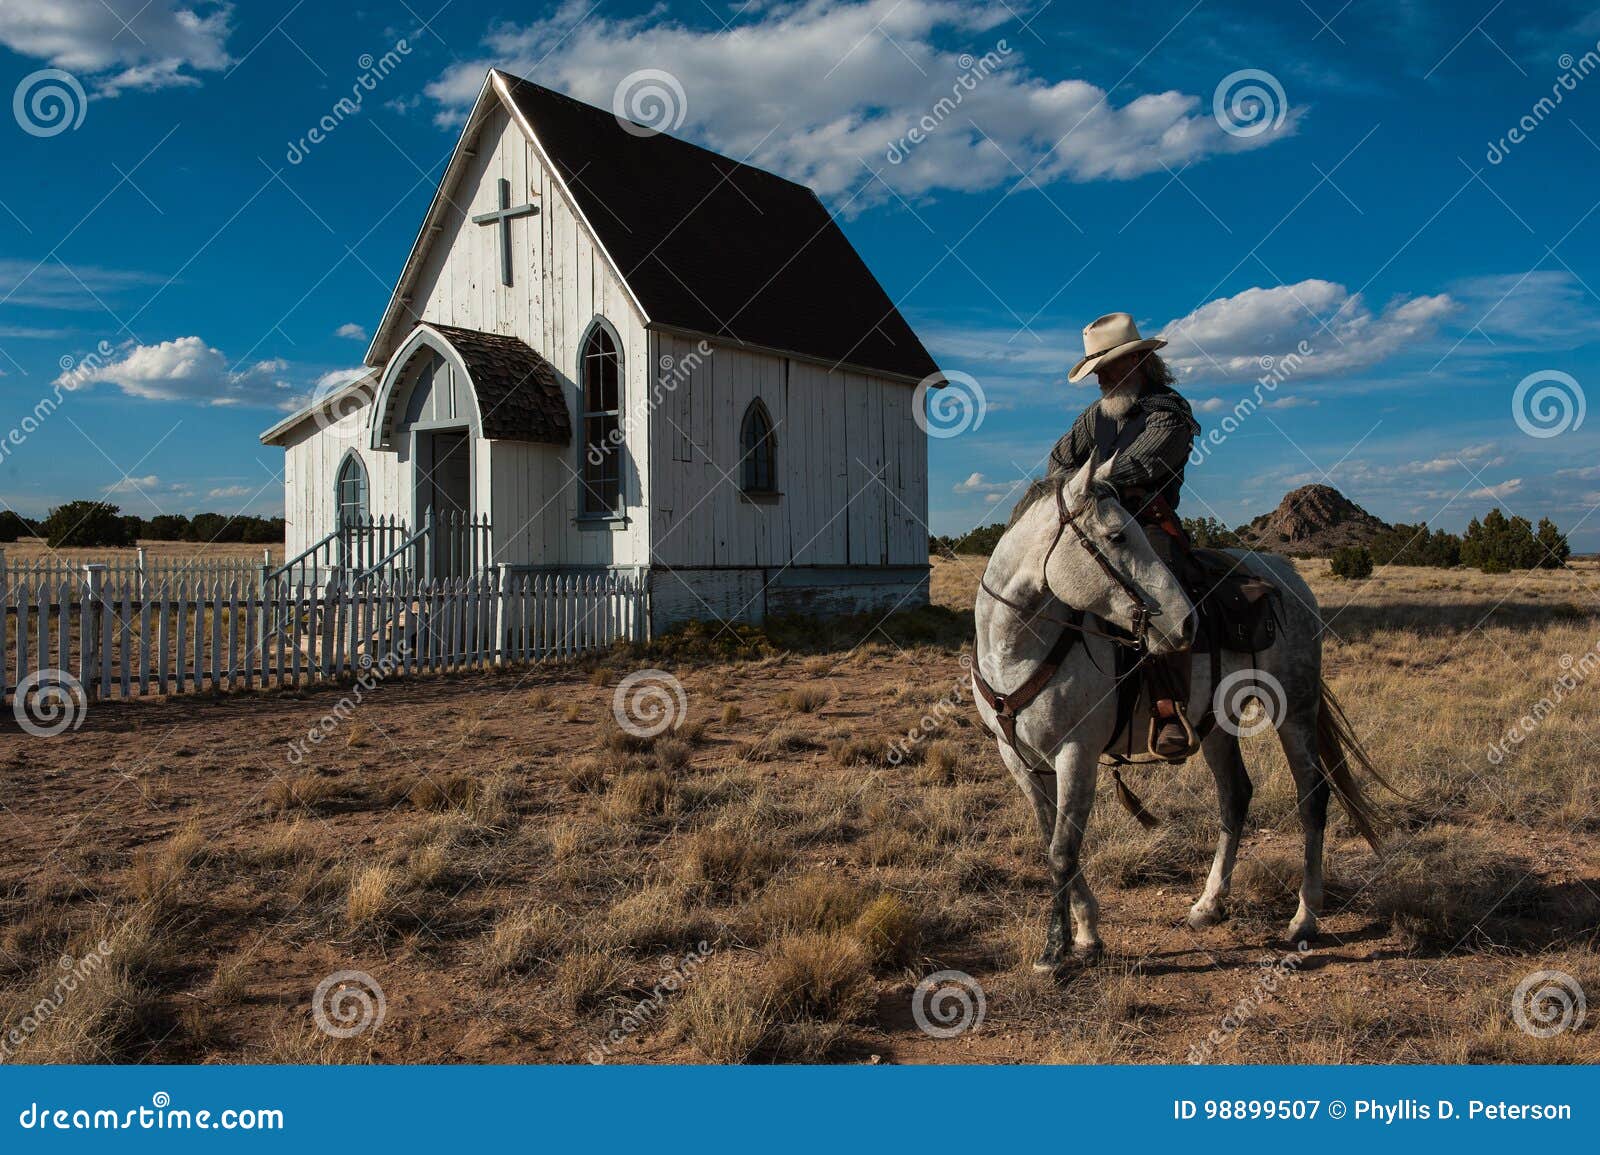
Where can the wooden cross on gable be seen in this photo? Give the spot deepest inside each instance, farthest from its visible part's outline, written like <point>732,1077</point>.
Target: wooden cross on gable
<point>503,217</point>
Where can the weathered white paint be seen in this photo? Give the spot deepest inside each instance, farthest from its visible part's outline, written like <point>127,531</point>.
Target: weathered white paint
<point>852,462</point>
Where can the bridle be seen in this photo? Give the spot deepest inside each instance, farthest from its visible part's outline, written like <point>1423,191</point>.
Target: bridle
<point>1143,608</point>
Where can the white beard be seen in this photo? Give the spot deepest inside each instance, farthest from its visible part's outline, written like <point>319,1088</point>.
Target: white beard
<point>1122,400</point>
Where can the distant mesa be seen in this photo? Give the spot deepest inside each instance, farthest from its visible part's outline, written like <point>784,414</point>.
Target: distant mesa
<point>1311,521</point>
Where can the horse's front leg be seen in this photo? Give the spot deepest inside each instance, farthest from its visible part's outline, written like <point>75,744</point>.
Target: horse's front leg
<point>1076,767</point>
<point>1040,790</point>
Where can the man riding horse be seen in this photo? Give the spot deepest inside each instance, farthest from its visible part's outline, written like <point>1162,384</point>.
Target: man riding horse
<point>1142,420</point>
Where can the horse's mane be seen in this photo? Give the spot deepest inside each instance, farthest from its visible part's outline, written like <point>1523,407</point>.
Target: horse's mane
<point>1038,488</point>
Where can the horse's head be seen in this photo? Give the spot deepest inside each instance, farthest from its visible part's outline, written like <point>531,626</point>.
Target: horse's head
<point>1126,571</point>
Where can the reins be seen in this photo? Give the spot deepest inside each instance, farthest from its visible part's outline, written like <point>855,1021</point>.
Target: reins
<point>1007,707</point>
<point>1143,608</point>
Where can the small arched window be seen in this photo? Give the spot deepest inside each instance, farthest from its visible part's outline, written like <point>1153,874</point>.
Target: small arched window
<point>759,449</point>
<point>602,436</point>
<point>350,492</point>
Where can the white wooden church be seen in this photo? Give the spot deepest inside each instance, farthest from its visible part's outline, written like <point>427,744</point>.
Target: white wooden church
<point>610,349</point>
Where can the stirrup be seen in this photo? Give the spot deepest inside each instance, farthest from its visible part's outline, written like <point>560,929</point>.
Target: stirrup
<point>1191,744</point>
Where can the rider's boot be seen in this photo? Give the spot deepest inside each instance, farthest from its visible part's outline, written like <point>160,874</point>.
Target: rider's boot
<point>1172,737</point>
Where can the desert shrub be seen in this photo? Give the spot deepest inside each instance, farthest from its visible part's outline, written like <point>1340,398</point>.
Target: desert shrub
<point>1352,561</point>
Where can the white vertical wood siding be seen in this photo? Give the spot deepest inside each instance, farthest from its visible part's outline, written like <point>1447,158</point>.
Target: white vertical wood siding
<point>852,464</point>
<point>560,283</point>
<point>311,465</point>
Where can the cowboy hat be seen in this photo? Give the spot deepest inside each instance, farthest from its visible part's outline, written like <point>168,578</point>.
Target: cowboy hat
<point>1110,336</point>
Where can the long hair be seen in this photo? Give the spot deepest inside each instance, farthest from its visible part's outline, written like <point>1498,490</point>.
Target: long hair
<point>1157,373</point>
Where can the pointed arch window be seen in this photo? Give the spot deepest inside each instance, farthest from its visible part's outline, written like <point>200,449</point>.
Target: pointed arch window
<point>350,492</point>
<point>602,427</point>
<point>759,449</point>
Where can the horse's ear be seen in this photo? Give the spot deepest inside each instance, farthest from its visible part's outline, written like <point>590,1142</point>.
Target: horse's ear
<point>1078,487</point>
<point>1103,473</point>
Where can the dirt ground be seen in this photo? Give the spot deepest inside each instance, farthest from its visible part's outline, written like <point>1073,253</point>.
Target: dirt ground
<point>525,881</point>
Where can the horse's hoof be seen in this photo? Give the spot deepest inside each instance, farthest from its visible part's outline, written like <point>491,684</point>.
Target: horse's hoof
<point>1088,953</point>
<point>1300,932</point>
<point>1047,964</point>
<point>1200,917</point>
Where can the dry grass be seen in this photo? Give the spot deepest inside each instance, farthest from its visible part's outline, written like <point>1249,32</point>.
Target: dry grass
<point>530,879</point>
<point>302,792</point>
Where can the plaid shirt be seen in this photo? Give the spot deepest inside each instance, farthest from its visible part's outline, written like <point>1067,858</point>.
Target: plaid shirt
<point>1152,463</point>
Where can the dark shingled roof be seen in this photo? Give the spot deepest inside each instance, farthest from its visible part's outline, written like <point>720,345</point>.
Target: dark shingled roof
<point>519,394</point>
<point>718,247</point>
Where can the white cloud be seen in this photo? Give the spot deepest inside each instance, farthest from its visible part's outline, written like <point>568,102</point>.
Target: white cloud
<point>48,284</point>
<point>1210,405</point>
<point>818,88</point>
<point>978,484</point>
<point>186,369</point>
<point>230,491</point>
<point>1228,338</point>
<point>134,484</point>
<point>1495,492</point>
<point>90,39</point>
<point>352,330</point>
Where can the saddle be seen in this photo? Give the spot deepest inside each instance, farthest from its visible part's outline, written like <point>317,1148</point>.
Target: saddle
<point>1238,613</point>
<point>1238,609</point>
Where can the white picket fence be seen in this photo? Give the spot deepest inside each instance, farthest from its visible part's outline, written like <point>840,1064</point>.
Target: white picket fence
<point>54,571</point>
<point>136,638</point>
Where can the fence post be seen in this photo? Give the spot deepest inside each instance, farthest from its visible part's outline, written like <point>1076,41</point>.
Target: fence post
<point>94,575</point>
<point>502,612</point>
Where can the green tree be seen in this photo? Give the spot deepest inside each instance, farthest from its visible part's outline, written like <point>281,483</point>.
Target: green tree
<point>1209,533</point>
<point>1553,548</point>
<point>1499,544</point>
<point>167,527</point>
<point>85,523</point>
<point>13,525</point>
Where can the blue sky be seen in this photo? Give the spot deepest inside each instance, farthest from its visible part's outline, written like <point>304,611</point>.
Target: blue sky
<point>1369,224</point>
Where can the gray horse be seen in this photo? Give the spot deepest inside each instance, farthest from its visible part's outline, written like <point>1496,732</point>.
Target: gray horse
<point>1079,550</point>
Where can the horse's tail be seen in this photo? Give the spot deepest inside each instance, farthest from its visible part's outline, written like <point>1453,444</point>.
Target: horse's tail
<point>1337,746</point>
